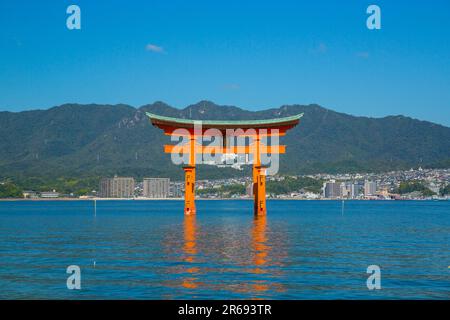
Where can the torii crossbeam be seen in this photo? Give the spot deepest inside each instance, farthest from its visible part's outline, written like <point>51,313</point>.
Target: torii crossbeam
<point>254,130</point>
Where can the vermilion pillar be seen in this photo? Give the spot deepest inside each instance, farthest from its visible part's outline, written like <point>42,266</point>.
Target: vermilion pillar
<point>189,180</point>
<point>260,191</point>
<point>189,190</point>
<point>259,180</point>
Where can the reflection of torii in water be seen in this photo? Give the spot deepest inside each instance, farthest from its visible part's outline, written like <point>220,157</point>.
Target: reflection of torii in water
<point>259,261</point>
<point>263,257</point>
<point>190,250</point>
<point>261,250</point>
<point>194,130</point>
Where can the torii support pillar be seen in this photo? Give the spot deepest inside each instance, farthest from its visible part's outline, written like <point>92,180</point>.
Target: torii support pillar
<point>259,190</point>
<point>189,190</point>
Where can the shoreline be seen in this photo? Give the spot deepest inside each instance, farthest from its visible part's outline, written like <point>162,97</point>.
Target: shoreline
<point>201,199</point>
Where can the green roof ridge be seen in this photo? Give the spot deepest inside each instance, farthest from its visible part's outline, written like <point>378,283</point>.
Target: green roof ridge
<point>225,122</point>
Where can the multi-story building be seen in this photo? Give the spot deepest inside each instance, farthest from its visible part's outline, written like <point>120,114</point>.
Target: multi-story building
<point>176,189</point>
<point>117,187</point>
<point>345,190</point>
<point>370,188</point>
<point>331,189</point>
<point>355,190</point>
<point>156,187</point>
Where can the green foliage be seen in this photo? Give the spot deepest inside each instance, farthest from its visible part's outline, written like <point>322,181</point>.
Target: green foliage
<point>285,186</point>
<point>64,185</point>
<point>412,186</point>
<point>225,190</point>
<point>10,190</point>
<point>233,189</point>
<point>289,184</point>
<point>81,141</point>
<point>445,190</point>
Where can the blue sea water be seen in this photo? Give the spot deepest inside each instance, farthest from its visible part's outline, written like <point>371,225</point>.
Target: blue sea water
<point>150,250</point>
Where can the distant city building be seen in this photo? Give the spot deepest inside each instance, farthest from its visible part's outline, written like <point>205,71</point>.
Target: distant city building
<point>176,190</point>
<point>117,187</point>
<point>434,187</point>
<point>249,190</point>
<point>370,188</point>
<point>30,194</point>
<point>49,194</point>
<point>345,190</point>
<point>331,189</point>
<point>156,187</point>
<point>355,190</point>
<point>384,192</point>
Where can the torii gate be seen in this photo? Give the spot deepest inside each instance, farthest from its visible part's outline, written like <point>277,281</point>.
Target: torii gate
<point>192,130</point>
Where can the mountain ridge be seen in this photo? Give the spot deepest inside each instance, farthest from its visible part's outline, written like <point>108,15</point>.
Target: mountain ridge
<point>201,102</point>
<point>99,140</point>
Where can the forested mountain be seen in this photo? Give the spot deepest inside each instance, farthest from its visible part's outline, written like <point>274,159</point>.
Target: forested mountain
<point>89,141</point>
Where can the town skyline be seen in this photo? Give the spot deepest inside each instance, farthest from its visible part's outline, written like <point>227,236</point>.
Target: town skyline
<point>412,184</point>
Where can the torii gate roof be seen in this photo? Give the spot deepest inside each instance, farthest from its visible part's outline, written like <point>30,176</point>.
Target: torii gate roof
<point>167,122</point>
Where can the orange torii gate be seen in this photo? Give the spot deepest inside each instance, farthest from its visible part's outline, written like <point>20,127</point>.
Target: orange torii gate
<point>256,130</point>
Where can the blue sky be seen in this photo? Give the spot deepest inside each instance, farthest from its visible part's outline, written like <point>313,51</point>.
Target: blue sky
<point>252,54</point>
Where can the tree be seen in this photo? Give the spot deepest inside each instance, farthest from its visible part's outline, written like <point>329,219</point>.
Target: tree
<point>289,184</point>
<point>10,190</point>
<point>408,187</point>
<point>445,190</point>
